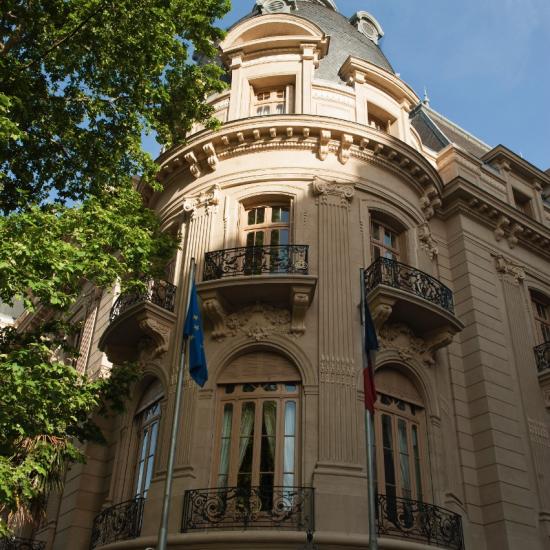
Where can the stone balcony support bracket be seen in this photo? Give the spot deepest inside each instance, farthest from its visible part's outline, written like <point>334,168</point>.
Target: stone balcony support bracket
<point>222,298</point>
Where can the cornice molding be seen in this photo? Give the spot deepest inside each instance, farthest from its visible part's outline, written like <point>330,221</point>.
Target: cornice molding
<point>507,223</point>
<point>321,135</point>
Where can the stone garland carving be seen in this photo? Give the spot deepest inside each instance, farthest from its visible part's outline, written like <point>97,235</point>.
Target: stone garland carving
<point>427,242</point>
<point>509,269</point>
<point>325,189</point>
<point>401,339</point>
<point>258,321</point>
<point>209,198</point>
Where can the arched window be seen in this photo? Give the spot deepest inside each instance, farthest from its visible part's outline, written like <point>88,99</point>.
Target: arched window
<point>147,419</point>
<point>266,227</point>
<point>401,442</point>
<point>258,424</point>
<point>541,312</point>
<point>387,237</point>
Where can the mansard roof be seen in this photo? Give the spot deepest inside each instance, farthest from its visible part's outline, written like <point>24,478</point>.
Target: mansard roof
<point>345,38</point>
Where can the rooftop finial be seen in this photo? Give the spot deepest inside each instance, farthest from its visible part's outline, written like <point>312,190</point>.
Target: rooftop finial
<point>426,99</point>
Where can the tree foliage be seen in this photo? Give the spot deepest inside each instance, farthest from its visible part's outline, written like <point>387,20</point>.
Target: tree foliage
<point>80,82</point>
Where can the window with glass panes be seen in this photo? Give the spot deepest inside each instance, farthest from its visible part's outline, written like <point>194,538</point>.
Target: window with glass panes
<point>258,435</point>
<point>267,225</point>
<point>270,102</point>
<point>384,241</point>
<point>400,453</point>
<point>148,420</point>
<point>541,310</point>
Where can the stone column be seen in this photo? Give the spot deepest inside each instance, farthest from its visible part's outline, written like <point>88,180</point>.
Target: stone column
<point>338,478</point>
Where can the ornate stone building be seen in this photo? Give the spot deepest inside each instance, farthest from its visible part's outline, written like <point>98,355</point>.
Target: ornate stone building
<point>327,162</point>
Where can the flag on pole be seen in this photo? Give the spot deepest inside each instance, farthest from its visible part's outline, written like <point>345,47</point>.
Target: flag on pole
<point>192,330</point>
<point>371,345</point>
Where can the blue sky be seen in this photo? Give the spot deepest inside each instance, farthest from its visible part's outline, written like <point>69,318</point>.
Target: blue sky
<point>485,63</point>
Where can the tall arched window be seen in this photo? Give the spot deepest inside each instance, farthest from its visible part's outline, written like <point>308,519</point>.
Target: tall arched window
<point>541,311</point>
<point>401,442</point>
<point>147,419</point>
<point>258,424</point>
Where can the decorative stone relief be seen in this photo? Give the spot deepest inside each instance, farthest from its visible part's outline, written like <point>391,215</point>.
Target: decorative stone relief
<point>401,339</point>
<point>193,164</point>
<point>429,201</point>
<point>275,6</point>
<point>337,370</point>
<point>324,140</point>
<point>209,199</point>
<point>157,340</point>
<point>334,97</point>
<point>427,242</point>
<point>344,152</point>
<point>325,189</point>
<point>258,322</point>
<point>366,24</point>
<point>509,269</point>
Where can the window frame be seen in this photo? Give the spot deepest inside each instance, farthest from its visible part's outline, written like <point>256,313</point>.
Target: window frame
<point>266,226</point>
<point>395,251</point>
<point>417,465</point>
<point>238,398</point>
<point>540,303</point>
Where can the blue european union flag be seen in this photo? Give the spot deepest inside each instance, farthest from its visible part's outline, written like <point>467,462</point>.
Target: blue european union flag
<point>193,331</point>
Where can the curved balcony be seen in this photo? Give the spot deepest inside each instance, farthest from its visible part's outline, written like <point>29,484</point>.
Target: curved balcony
<point>139,319</point>
<point>17,543</point>
<point>236,277</point>
<point>407,519</point>
<point>400,293</point>
<point>120,522</point>
<point>256,260</point>
<point>230,508</point>
<point>542,357</point>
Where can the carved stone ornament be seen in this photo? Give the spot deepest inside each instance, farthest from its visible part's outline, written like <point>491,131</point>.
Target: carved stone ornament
<point>258,322</point>
<point>209,198</point>
<point>401,339</point>
<point>325,189</point>
<point>275,6</point>
<point>427,242</point>
<point>157,338</point>
<point>366,24</point>
<point>509,269</point>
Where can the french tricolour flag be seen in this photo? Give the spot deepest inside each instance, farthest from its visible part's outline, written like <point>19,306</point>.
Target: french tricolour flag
<point>371,346</point>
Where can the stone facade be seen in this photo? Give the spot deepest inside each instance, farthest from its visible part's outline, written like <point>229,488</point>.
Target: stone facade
<point>322,176</point>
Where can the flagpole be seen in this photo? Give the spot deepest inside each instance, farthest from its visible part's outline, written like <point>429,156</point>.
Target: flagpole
<point>163,530</point>
<point>369,433</point>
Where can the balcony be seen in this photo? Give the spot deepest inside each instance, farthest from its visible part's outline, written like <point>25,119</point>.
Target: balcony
<point>238,508</point>
<point>139,319</point>
<point>402,294</point>
<point>120,522</point>
<point>542,357</point>
<point>274,275</point>
<point>407,519</point>
<point>16,543</point>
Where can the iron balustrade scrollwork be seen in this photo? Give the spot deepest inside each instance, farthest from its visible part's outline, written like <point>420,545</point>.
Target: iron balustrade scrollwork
<point>385,271</point>
<point>256,260</point>
<point>542,356</point>
<point>411,519</point>
<point>249,508</point>
<point>119,522</point>
<point>158,292</point>
<point>18,543</point>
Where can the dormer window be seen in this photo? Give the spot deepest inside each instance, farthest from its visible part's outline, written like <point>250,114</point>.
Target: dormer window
<point>270,102</point>
<point>522,203</point>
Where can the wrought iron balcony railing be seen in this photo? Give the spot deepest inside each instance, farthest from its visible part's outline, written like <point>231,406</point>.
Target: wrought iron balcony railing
<point>119,522</point>
<point>385,271</point>
<point>160,293</point>
<point>542,356</point>
<point>410,519</point>
<point>256,260</point>
<point>17,543</point>
<point>249,508</point>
